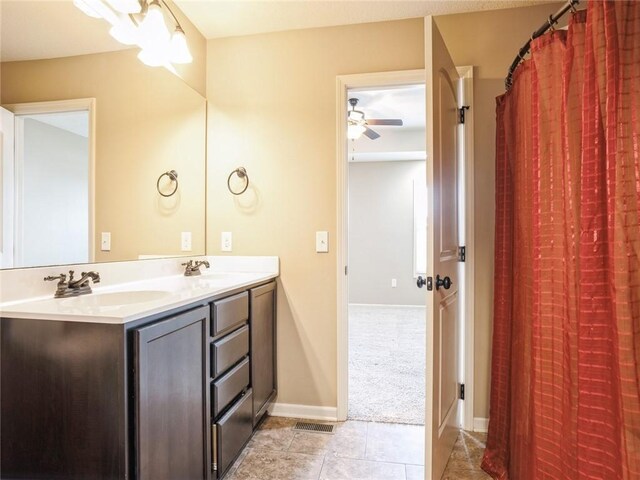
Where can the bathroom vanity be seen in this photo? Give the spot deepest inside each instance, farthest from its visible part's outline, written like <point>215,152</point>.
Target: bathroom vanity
<point>130,383</point>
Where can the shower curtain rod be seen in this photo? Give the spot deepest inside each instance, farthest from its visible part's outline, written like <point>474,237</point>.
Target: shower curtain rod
<point>553,19</point>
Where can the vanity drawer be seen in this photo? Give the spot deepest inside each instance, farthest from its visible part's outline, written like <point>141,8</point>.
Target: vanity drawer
<point>227,351</point>
<point>232,432</point>
<point>229,386</point>
<point>229,312</point>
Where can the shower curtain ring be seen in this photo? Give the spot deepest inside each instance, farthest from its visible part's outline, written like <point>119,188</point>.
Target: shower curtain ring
<point>572,6</point>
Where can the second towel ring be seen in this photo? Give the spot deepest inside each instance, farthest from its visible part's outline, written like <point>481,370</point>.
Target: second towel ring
<point>173,176</point>
<point>242,173</point>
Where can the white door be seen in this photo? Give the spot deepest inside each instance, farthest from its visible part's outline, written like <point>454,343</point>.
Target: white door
<point>442,254</point>
<point>6,188</point>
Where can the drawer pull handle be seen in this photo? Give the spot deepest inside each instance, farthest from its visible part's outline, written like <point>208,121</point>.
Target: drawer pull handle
<point>214,448</point>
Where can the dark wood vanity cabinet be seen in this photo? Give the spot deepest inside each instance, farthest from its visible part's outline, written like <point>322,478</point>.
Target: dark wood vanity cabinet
<point>171,393</point>
<point>174,396</point>
<point>243,370</point>
<point>263,348</point>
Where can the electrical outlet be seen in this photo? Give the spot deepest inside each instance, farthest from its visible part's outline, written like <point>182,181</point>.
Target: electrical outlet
<point>185,243</point>
<point>394,283</point>
<point>226,242</point>
<point>105,242</point>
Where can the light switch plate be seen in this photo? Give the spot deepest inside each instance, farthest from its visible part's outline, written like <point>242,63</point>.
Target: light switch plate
<point>394,283</point>
<point>226,242</point>
<point>105,241</point>
<point>322,242</point>
<point>185,242</point>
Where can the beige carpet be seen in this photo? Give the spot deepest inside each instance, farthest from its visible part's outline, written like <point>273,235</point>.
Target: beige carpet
<point>386,364</point>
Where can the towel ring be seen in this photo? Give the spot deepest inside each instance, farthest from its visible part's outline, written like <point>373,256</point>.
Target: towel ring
<point>242,173</point>
<point>173,176</point>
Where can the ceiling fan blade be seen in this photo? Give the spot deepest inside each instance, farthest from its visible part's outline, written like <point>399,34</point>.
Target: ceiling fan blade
<point>389,121</point>
<point>371,134</point>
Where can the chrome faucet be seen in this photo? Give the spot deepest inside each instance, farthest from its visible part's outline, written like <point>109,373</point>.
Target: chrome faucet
<point>192,268</point>
<point>73,288</point>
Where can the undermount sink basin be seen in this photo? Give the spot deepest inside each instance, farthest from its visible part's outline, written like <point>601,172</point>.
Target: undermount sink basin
<point>115,299</point>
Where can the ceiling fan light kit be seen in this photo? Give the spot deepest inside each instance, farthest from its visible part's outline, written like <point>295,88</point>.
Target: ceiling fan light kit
<point>354,131</point>
<point>143,23</point>
<point>358,125</point>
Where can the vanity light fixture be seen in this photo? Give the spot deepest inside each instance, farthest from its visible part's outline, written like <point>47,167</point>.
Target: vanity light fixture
<point>125,6</point>
<point>142,23</point>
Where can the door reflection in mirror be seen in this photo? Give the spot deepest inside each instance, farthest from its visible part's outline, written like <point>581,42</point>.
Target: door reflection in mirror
<point>52,189</point>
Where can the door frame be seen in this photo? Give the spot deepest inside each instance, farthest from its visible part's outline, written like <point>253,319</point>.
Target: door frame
<point>390,79</point>
<point>56,106</point>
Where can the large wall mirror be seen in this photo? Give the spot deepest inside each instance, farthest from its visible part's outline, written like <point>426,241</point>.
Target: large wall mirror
<point>87,133</point>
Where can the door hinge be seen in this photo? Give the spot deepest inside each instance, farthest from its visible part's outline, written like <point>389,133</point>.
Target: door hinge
<point>461,113</point>
<point>462,391</point>
<point>462,254</point>
<point>346,270</point>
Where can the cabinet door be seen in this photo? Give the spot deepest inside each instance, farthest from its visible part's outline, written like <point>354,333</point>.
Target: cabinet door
<point>172,398</point>
<point>263,348</point>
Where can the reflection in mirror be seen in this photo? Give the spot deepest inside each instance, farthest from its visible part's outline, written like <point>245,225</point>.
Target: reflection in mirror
<point>86,131</point>
<point>52,199</point>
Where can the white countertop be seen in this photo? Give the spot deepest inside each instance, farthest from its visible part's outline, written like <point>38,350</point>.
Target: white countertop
<point>125,302</point>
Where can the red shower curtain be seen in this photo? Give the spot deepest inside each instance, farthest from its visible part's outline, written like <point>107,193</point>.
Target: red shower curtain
<point>565,387</point>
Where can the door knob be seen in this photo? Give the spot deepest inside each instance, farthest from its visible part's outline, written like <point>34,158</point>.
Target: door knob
<point>425,281</point>
<point>443,282</point>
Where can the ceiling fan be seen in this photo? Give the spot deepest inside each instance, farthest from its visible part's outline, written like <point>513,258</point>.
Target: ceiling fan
<point>357,124</point>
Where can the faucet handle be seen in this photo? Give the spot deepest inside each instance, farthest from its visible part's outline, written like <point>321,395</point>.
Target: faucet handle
<point>71,272</point>
<point>95,276</point>
<point>61,278</point>
<point>187,264</point>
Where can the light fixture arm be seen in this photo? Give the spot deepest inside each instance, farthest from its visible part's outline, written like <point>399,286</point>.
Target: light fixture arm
<point>145,7</point>
<point>175,19</point>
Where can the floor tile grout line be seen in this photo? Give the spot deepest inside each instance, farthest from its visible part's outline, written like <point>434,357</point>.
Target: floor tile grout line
<point>324,458</point>
<point>366,441</point>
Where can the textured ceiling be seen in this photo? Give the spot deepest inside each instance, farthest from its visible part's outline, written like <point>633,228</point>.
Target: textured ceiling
<point>224,18</point>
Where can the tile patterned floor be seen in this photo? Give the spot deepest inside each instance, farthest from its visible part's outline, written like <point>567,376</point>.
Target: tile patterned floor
<point>357,451</point>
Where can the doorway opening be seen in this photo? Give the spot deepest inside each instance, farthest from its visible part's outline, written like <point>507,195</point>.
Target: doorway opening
<point>465,185</point>
<point>49,182</point>
<point>387,252</point>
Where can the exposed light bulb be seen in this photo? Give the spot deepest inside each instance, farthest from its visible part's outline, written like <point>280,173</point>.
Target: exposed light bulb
<point>179,50</point>
<point>125,6</point>
<point>355,130</point>
<point>125,32</point>
<point>153,31</point>
<point>87,8</point>
<point>153,57</point>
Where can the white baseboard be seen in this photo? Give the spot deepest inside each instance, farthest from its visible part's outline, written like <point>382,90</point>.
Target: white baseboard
<point>310,412</point>
<point>384,305</point>
<point>480,424</point>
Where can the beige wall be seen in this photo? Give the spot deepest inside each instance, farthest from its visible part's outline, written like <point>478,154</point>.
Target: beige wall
<point>489,41</point>
<point>148,121</point>
<point>272,110</point>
